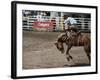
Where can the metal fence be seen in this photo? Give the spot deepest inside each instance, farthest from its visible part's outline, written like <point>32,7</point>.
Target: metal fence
<point>83,24</point>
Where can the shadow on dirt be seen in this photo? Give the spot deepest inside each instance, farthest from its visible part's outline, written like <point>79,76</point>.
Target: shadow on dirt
<point>78,65</point>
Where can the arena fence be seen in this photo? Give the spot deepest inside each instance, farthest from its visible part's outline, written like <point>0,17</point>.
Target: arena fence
<point>53,24</point>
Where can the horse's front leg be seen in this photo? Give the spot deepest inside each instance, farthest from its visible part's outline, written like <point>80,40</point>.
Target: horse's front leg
<point>68,56</point>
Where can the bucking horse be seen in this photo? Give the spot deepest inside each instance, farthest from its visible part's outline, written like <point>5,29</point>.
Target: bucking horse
<point>75,40</point>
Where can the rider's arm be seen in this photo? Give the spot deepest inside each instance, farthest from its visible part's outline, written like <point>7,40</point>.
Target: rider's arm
<point>67,21</point>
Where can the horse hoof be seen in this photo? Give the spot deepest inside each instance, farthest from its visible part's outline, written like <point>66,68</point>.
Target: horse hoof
<point>71,57</point>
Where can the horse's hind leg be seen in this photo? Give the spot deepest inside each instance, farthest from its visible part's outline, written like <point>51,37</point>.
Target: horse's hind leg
<point>68,56</point>
<point>87,50</point>
<point>89,57</point>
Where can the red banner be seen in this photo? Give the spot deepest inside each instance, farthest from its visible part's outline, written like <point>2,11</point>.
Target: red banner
<point>45,25</point>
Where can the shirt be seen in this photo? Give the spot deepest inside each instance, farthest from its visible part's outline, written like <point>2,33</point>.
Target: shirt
<point>70,20</point>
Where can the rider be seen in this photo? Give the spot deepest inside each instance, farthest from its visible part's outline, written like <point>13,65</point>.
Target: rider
<point>70,25</point>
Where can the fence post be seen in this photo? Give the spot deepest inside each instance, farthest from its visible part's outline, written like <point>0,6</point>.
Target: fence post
<point>53,21</point>
<point>62,23</point>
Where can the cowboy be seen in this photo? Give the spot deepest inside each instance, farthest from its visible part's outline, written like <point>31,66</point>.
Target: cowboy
<point>70,25</point>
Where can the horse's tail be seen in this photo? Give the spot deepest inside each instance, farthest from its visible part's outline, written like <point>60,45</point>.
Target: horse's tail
<point>87,45</point>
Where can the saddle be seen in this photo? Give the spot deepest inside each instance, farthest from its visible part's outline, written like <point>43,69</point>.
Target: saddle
<point>75,36</point>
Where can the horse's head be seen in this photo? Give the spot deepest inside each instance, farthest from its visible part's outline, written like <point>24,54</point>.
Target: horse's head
<point>59,46</point>
<point>60,40</point>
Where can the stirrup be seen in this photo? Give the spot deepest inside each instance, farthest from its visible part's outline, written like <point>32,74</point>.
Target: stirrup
<point>66,34</point>
<point>79,32</point>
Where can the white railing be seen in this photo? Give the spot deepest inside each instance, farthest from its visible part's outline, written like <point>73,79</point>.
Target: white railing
<point>83,23</point>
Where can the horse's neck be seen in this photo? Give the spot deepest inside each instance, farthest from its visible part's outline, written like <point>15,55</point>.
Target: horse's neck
<point>61,40</point>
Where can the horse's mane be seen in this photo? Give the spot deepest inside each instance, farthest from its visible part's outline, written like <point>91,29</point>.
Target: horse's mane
<point>62,34</point>
<point>59,38</point>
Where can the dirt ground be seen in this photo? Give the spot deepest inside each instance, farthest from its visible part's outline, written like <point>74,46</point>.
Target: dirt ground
<point>39,51</point>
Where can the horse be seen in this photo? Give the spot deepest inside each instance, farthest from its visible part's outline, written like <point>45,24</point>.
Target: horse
<point>76,40</point>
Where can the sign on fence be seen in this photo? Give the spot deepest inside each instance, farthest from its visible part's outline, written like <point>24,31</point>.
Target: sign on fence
<point>43,26</point>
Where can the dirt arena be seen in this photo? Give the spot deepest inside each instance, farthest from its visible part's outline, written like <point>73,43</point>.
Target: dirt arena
<point>39,51</point>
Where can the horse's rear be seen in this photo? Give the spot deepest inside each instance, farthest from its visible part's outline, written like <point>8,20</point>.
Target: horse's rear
<point>84,40</point>
<point>87,47</point>
<point>78,40</point>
